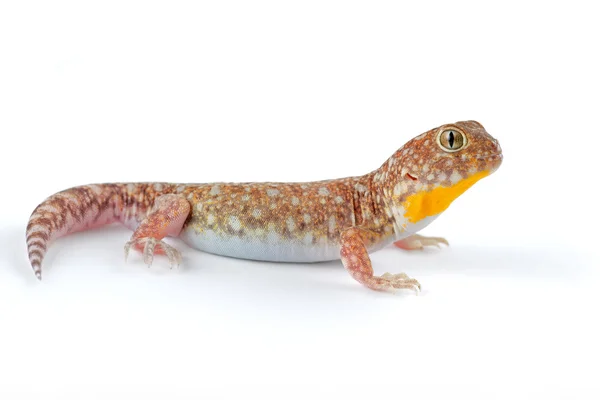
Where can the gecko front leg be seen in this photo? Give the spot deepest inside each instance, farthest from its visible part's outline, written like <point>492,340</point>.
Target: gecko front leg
<point>357,262</point>
<point>165,219</point>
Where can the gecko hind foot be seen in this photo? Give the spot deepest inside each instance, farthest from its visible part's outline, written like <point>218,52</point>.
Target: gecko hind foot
<point>150,246</point>
<point>418,242</point>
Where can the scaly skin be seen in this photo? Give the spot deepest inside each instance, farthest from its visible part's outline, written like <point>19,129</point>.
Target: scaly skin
<point>290,222</point>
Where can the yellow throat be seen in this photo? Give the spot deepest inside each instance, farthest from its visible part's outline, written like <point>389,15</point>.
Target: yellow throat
<point>425,204</point>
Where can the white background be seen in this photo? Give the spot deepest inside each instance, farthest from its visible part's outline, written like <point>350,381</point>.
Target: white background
<point>293,91</point>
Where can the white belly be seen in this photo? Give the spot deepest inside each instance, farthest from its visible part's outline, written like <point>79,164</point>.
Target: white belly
<point>274,247</point>
<point>271,248</point>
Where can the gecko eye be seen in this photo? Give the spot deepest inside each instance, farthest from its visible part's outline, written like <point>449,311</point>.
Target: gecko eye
<point>451,140</point>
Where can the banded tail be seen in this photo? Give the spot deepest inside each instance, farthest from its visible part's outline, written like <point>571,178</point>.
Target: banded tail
<point>86,207</point>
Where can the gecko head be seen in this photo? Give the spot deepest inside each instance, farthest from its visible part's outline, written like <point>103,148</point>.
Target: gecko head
<point>459,151</point>
<point>434,168</point>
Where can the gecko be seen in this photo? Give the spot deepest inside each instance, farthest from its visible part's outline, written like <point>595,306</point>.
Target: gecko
<point>338,219</point>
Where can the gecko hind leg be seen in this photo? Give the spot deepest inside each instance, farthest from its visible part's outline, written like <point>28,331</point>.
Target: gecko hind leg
<point>418,242</point>
<point>355,258</point>
<point>165,219</point>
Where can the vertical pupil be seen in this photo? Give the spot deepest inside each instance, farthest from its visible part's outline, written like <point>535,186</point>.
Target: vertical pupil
<point>451,139</point>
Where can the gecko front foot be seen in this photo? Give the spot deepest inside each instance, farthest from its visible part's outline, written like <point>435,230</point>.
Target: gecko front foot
<point>418,242</point>
<point>150,246</point>
<point>399,281</point>
<point>356,260</point>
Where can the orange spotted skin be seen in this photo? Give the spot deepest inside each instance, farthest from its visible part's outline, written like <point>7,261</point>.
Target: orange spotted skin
<point>291,222</point>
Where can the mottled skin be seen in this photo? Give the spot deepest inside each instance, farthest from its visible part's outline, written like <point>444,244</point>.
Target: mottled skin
<point>291,222</point>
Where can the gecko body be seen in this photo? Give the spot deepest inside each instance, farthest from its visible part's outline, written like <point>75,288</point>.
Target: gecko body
<point>287,222</point>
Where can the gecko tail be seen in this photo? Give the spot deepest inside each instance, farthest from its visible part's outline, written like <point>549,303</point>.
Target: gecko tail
<point>72,210</point>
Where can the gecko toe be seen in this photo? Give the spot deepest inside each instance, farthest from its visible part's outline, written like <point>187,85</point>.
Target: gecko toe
<point>172,254</point>
<point>127,248</point>
<point>149,251</point>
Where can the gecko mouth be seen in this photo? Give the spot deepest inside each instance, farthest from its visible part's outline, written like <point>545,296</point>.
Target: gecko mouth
<point>492,162</point>
<point>491,157</point>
